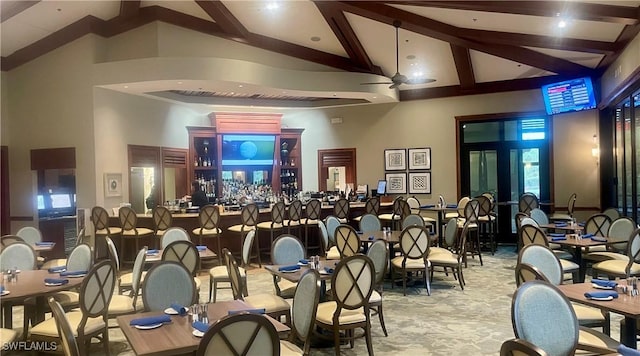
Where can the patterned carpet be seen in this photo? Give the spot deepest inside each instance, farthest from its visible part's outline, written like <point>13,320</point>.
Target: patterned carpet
<point>449,322</point>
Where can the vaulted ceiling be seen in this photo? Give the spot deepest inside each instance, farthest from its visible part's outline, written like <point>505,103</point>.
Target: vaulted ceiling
<point>468,47</point>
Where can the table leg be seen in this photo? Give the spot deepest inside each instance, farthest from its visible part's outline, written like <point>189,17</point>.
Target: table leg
<point>440,219</point>
<point>582,269</point>
<point>629,333</point>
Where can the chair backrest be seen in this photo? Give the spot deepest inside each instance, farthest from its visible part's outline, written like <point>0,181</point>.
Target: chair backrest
<point>620,230</point>
<point>471,210</point>
<point>99,218</point>
<point>370,222</point>
<point>528,221</point>
<point>531,234</point>
<point>209,217</point>
<point>526,272</point>
<point>80,258</point>
<point>305,304</point>
<point>412,219</point>
<point>240,334</point>
<point>539,216</point>
<point>518,347</point>
<point>633,250</point>
<point>405,209</point>
<point>441,200</point>
<point>237,287</point>
<point>414,204</point>
<point>397,206</point>
<point>372,206</point>
<point>313,209</point>
<point>414,242</point>
<point>542,315</point>
<point>527,202</point>
<point>247,245</point>
<point>80,236</point>
<point>162,218</point>
<point>286,250</point>
<point>571,203</point>
<point>378,253</point>
<point>165,283</point>
<point>67,338</point>
<point>96,291</point>
<point>30,234</point>
<point>612,213</point>
<point>598,225</point>
<point>544,260</point>
<point>352,284</point>
<point>128,219</point>
<point>518,219</point>
<point>324,235</point>
<point>294,212</point>
<point>341,208</point>
<point>485,207</point>
<point>174,234</point>
<point>7,240</point>
<point>136,273</point>
<point>18,255</point>
<point>277,213</point>
<point>347,240</point>
<point>183,252</point>
<point>450,233</point>
<point>332,224</point>
<point>249,215</point>
<point>461,204</point>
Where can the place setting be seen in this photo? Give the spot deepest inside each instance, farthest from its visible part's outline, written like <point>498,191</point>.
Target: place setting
<point>55,282</point>
<point>150,322</point>
<point>606,290</point>
<point>3,291</point>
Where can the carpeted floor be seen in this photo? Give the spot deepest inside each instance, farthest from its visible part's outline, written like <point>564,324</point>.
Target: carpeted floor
<point>449,322</point>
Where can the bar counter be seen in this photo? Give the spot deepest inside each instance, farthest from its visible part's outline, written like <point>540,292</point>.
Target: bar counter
<point>231,240</point>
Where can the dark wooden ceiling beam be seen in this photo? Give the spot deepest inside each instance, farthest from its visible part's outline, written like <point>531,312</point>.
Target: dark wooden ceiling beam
<point>627,34</point>
<point>448,33</point>
<point>344,33</point>
<point>462,59</point>
<point>521,39</point>
<point>224,18</point>
<point>9,9</point>
<point>627,15</point>
<point>129,8</point>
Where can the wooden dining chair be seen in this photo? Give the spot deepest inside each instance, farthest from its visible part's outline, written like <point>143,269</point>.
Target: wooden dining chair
<point>286,250</point>
<point>341,210</point>
<point>312,211</point>
<point>240,334</point>
<point>185,253</point>
<point>130,230</point>
<point>220,274</point>
<point>519,347</point>
<point>162,220</point>
<point>347,240</point>
<point>294,217</point>
<point>127,304</point>
<point>414,244</point>
<point>68,340</point>
<point>209,219</point>
<point>100,220</point>
<point>303,314</point>
<point>249,218</point>
<point>276,224</point>
<point>166,283</point>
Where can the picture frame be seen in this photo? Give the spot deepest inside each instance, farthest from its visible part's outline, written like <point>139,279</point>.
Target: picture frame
<point>420,183</point>
<point>112,184</point>
<point>396,183</point>
<point>420,158</point>
<point>395,159</point>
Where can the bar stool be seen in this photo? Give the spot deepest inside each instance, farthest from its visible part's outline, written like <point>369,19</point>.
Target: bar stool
<point>312,216</point>
<point>341,210</point>
<point>471,219</point>
<point>209,218</point>
<point>249,218</point>
<point>102,230</point>
<point>130,229</point>
<point>162,220</point>
<point>276,223</point>
<point>372,206</point>
<point>295,216</point>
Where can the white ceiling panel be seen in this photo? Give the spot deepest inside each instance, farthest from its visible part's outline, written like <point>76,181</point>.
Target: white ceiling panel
<point>488,68</point>
<point>536,25</point>
<point>590,60</point>
<point>187,7</point>
<point>292,21</point>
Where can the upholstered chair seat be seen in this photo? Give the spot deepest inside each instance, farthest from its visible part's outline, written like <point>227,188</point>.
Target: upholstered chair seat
<point>121,304</point>
<point>327,309</point>
<point>7,335</point>
<point>48,327</point>
<point>396,262</point>
<point>615,266</point>
<point>333,253</point>
<point>289,349</point>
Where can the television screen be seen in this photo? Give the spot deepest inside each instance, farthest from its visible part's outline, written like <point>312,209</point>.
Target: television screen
<point>382,187</point>
<point>60,201</point>
<point>248,150</point>
<point>40,200</point>
<point>570,95</point>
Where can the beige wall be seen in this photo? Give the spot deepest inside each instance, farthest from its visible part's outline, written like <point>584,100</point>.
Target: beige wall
<point>621,68</point>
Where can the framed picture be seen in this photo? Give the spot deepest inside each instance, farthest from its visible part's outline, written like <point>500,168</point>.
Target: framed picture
<point>396,183</point>
<point>112,184</point>
<point>395,160</point>
<point>420,158</point>
<point>420,183</point>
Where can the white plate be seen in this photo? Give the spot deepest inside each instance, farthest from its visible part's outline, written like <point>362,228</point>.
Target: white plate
<point>302,264</point>
<point>53,284</point>
<point>291,271</point>
<point>148,327</point>
<point>323,272</point>
<point>603,299</point>
<point>75,275</point>
<point>153,253</point>
<point>4,292</point>
<point>171,311</point>
<point>197,333</point>
<point>601,287</point>
<point>17,271</point>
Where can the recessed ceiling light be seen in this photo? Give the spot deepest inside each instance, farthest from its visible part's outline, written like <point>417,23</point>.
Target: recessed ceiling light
<point>126,87</point>
<point>315,39</point>
<point>272,5</point>
<point>240,86</point>
<point>375,97</point>
<point>562,24</point>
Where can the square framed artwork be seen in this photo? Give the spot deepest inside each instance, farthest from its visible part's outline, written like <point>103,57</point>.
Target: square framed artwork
<point>420,158</point>
<point>396,183</point>
<point>112,184</point>
<point>420,183</point>
<point>395,160</point>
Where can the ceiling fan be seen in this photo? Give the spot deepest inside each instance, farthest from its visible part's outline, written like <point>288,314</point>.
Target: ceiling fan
<point>398,78</point>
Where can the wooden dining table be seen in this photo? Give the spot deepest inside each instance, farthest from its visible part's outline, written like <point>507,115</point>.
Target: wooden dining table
<point>442,211</point>
<point>31,284</point>
<point>157,257</point>
<point>177,337</point>
<point>571,241</point>
<point>626,305</point>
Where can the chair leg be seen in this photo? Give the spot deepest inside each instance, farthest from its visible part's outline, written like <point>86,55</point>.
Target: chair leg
<point>460,277</point>
<point>426,282</point>
<point>367,335</point>
<point>336,339</point>
<point>219,243</point>
<point>404,282</point>
<point>210,287</point>
<point>381,317</point>
<point>105,342</point>
<point>257,243</point>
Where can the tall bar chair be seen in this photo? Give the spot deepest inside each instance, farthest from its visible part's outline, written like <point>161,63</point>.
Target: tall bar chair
<point>209,218</point>
<point>275,224</point>
<point>100,220</point>
<point>312,217</point>
<point>372,206</point>
<point>162,220</point>
<point>294,216</point>
<point>249,218</point>
<point>130,230</point>
<point>341,210</point>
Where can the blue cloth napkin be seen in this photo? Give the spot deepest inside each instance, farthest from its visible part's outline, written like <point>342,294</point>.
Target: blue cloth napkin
<point>558,238</point>
<point>359,232</point>
<point>627,351</point>
<point>182,311</point>
<point>57,269</point>
<point>599,238</point>
<point>588,236</point>
<point>581,224</point>
<point>304,261</point>
<point>429,206</point>
<point>289,268</point>
<point>554,234</point>
<point>45,243</point>
<point>201,248</point>
<point>200,326</point>
<point>151,320</point>
<point>452,205</point>
<point>604,283</point>
<point>602,294</point>
<point>371,238</point>
<point>251,311</point>
<point>56,280</point>
<point>561,224</point>
<point>328,269</point>
<point>72,273</point>
<point>152,252</point>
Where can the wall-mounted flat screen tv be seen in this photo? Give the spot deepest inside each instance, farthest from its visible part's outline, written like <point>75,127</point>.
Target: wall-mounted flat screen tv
<point>570,95</point>
<point>382,187</point>
<point>248,150</point>
<point>61,201</point>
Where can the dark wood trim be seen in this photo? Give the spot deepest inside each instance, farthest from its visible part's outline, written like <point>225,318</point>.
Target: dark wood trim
<point>224,18</point>
<point>582,11</point>
<point>499,116</point>
<point>624,89</point>
<point>248,123</point>
<point>129,8</point>
<point>462,59</point>
<point>623,40</point>
<point>9,9</point>
<point>5,192</point>
<point>342,157</point>
<point>21,218</point>
<point>53,158</point>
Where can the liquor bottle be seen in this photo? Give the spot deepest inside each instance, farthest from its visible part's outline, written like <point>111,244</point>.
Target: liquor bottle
<point>209,161</point>
<point>195,161</point>
<point>200,161</point>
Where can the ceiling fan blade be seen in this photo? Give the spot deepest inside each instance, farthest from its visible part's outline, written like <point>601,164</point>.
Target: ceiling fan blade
<point>420,81</point>
<point>372,83</point>
<point>394,85</point>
